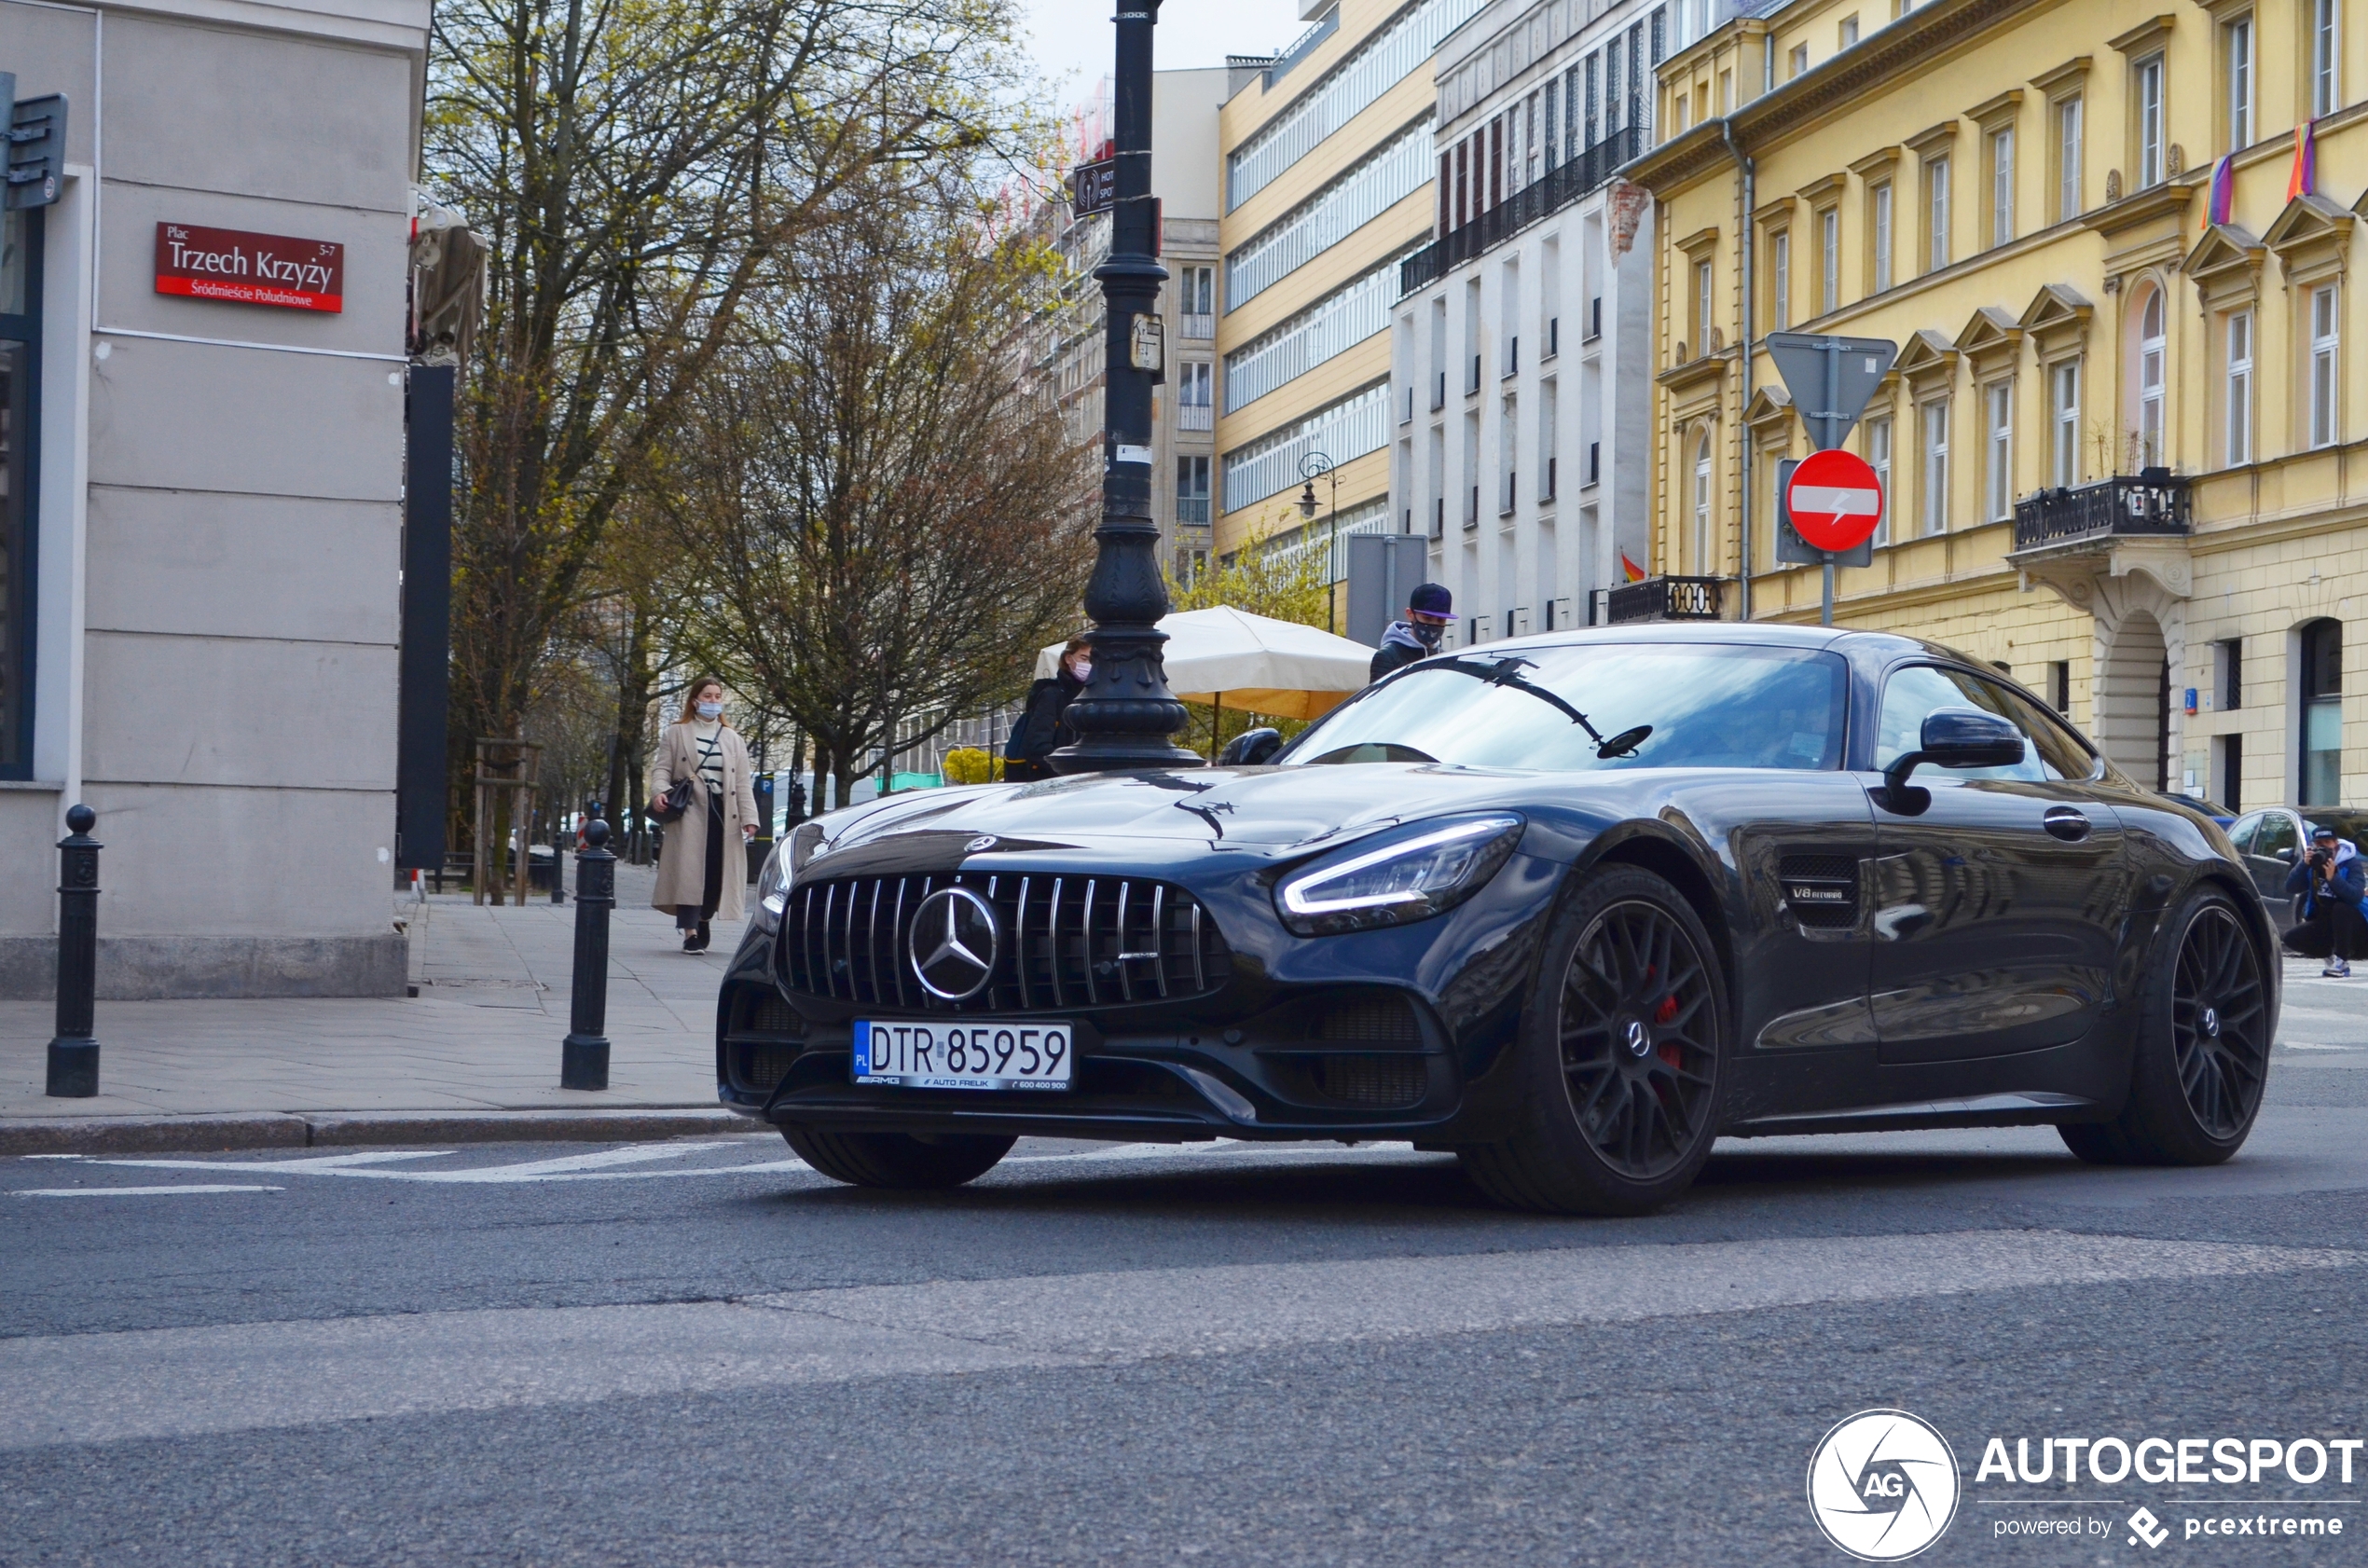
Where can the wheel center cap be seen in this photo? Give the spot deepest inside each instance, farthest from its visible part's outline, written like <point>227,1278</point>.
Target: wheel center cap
<point>2212,1022</point>
<point>1638,1039</point>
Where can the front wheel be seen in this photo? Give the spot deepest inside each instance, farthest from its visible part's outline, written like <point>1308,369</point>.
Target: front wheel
<point>2202,1060</point>
<point>897,1160</point>
<point>1621,1057</point>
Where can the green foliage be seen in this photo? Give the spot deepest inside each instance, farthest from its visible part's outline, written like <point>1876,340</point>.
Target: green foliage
<point>1257,580</point>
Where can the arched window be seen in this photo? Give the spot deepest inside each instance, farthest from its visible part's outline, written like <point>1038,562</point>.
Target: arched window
<point>2151,341</point>
<point>1702,505</point>
<point>2321,748</point>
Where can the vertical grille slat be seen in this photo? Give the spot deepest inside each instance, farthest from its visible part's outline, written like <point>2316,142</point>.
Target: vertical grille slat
<point>846,940</point>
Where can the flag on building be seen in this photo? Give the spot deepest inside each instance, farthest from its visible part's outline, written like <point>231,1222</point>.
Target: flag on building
<point>2224,192</point>
<point>2304,181</point>
<point>1635,572</point>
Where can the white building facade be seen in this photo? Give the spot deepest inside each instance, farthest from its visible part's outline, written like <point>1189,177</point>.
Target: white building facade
<point>1521,354</point>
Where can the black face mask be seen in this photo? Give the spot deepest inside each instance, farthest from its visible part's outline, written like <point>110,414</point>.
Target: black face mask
<point>1427,633</point>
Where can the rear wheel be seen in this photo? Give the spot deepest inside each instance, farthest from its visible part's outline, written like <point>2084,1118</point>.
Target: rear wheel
<point>897,1160</point>
<point>1621,1057</point>
<point>2195,1080</point>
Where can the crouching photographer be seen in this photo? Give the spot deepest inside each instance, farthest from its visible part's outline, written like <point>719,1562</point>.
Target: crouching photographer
<point>2329,885</point>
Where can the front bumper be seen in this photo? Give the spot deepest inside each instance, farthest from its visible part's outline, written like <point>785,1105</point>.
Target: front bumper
<point>1393,1033</point>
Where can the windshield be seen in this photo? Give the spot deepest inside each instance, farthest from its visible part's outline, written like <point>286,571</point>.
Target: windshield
<point>1701,705</point>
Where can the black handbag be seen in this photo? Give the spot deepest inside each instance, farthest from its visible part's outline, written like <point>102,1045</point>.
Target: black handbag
<point>669,808</point>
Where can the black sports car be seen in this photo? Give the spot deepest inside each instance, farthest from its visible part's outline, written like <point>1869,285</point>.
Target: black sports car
<point>1571,906</point>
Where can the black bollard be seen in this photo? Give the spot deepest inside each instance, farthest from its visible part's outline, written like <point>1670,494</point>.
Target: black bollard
<point>74,1055</point>
<point>584,1060</point>
<point>558,864</point>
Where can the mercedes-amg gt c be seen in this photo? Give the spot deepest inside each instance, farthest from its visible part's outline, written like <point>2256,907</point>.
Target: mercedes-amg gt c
<point>1571,906</point>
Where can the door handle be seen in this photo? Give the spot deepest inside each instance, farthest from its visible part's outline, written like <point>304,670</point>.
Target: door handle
<point>2066,823</point>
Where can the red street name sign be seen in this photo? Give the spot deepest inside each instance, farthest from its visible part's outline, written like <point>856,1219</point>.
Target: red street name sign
<point>1836,501</point>
<point>243,268</point>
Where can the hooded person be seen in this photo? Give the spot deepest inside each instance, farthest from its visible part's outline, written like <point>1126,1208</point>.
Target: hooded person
<point>2329,885</point>
<point>1428,615</point>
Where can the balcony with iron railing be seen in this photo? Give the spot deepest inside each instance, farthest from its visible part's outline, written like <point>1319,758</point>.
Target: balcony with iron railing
<point>2152,504</point>
<point>1196,324</point>
<point>1193,510</point>
<point>1560,186</point>
<point>1663,599</point>
<point>1195,416</point>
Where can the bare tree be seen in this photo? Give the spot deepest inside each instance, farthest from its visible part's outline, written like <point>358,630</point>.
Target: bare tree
<point>635,171</point>
<point>889,514</point>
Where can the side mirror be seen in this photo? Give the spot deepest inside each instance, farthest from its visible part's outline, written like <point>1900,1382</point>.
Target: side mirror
<point>1250,747</point>
<point>1951,738</point>
<point>2285,854</point>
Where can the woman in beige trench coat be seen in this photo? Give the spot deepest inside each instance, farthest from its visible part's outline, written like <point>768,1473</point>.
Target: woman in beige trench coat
<point>702,868</point>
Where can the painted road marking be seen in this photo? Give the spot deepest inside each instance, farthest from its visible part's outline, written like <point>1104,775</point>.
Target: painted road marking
<point>83,1388</point>
<point>134,1191</point>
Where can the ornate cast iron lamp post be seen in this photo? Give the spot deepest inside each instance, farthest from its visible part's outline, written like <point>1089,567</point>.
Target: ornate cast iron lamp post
<point>1125,715</point>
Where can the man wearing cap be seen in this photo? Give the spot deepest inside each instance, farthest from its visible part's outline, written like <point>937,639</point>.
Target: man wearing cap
<point>2330,882</point>
<point>1418,635</point>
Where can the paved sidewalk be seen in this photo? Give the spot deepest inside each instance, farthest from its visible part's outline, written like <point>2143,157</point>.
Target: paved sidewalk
<point>482,1034</point>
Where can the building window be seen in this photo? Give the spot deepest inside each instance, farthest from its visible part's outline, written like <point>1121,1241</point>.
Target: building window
<point>19,391</point>
<point>1934,418</point>
<point>1196,299</point>
<point>2237,51</point>
<point>1935,214</point>
<point>2067,192</point>
<point>2148,94</point>
<point>2060,686</point>
<point>2230,672</point>
<point>2002,185</point>
<point>2063,424</point>
<point>2322,713</point>
<point>2323,329</point>
<point>1998,470</point>
<point>1701,505</point>
<point>2150,346</point>
<point>1191,490</point>
<point>1780,281</point>
<point>1703,308</point>
<point>1879,234</point>
<point>1192,401</point>
<point>2326,92</point>
<point>1846,33</point>
<point>2238,396</point>
<point>1830,261</point>
<point>1798,64</point>
<point>1879,459</point>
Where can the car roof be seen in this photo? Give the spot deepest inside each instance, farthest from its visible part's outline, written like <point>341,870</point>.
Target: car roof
<point>1877,644</point>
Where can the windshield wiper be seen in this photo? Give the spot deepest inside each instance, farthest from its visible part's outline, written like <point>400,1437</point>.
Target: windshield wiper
<point>1506,671</point>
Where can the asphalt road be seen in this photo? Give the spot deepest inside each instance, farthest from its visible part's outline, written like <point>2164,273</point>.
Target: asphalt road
<point>701,1353</point>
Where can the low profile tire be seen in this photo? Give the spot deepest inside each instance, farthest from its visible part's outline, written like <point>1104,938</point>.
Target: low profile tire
<point>898,1160</point>
<point>1620,1060</point>
<point>2202,1059</point>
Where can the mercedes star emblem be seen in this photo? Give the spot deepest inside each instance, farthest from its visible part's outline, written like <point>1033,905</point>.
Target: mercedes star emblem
<point>954,942</point>
<point>978,844</point>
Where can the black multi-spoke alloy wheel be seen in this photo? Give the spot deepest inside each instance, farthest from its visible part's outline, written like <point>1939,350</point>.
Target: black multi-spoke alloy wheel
<point>897,1160</point>
<point>1621,1057</point>
<point>2202,1057</point>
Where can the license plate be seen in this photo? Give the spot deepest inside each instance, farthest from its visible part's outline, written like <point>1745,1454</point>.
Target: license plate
<point>910,1055</point>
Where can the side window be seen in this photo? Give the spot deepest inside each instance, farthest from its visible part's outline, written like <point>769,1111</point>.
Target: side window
<point>2059,750</point>
<point>2277,832</point>
<point>1918,690</point>
<point>2240,832</point>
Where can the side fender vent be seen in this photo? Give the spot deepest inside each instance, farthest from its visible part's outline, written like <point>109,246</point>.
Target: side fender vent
<point>1820,890</point>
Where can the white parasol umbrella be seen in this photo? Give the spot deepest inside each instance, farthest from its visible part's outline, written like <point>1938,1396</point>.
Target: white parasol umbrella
<point>1231,658</point>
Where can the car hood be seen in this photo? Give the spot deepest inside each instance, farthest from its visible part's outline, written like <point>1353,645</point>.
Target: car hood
<point>1271,808</point>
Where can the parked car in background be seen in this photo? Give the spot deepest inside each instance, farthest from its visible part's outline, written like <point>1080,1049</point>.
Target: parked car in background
<point>2268,840</point>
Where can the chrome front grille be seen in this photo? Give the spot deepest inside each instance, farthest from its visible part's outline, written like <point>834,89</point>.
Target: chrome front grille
<point>1064,942</point>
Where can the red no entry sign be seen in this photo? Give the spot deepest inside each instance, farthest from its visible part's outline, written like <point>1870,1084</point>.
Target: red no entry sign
<point>1836,500</point>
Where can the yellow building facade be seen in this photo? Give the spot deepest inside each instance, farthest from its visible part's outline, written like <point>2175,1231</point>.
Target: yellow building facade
<point>1325,184</point>
<point>2125,447</point>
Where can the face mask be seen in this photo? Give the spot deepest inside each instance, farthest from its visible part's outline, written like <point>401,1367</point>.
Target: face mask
<point>709,709</point>
<point>1428,633</point>
<point>1082,669</point>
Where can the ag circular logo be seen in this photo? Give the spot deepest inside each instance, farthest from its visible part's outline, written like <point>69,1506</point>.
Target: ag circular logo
<point>953,945</point>
<point>1882,1485</point>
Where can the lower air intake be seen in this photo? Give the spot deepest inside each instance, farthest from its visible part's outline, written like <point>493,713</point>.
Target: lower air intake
<point>1374,1082</point>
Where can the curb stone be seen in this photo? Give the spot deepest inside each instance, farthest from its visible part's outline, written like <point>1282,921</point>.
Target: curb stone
<point>214,1132</point>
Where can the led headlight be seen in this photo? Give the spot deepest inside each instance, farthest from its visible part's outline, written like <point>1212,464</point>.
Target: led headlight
<point>781,869</point>
<point>1409,874</point>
